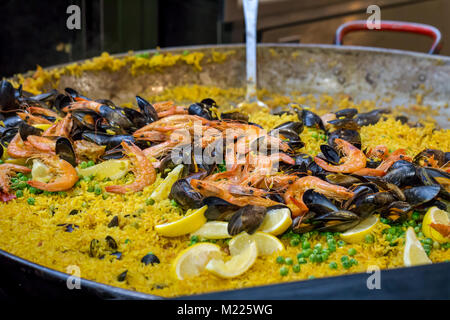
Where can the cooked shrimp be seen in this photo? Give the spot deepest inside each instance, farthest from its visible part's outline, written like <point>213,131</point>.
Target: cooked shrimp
<point>160,149</point>
<point>42,111</point>
<point>172,123</point>
<point>143,170</point>
<point>42,144</point>
<point>7,170</point>
<point>32,119</point>
<point>172,111</point>
<point>65,176</point>
<point>294,194</point>
<point>83,104</point>
<point>208,188</point>
<point>354,159</point>
<point>380,152</point>
<point>442,229</point>
<point>18,149</point>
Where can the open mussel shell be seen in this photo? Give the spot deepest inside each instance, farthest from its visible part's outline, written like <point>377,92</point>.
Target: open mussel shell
<point>147,110</point>
<point>310,119</point>
<point>371,117</point>
<point>7,96</point>
<point>301,224</point>
<point>65,151</point>
<point>329,154</point>
<point>351,136</point>
<point>137,118</point>
<point>417,196</point>
<point>346,113</point>
<point>201,110</point>
<point>247,218</point>
<point>436,177</point>
<point>219,209</point>
<point>295,126</point>
<point>318,203</point>
<point>12,122</point>
<point>345,180</point>
<point>349,124</point>
<point>26,130</point>
<point>183,193</point>
<point>423,157</point>
<point>115,154</point>
<point>397,211</point>
<point>116,117</point>
<point>402,173</point>
<point>86,119</point>
<point>337,221</point>
<point>108,140</point>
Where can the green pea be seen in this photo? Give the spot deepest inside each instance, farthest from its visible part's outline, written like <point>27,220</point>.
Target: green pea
<point>295,242</point>
<point>90,163</point>
<point>416,229</point>
<point>284,271</point>
<point>1,161</point>
<point>415,215</point>
<point>332,248</point>
<point>19,193</point>
<point>353,261</point>
<point>24,178</point>
<point>62,193</point>
<point>280,260</point>
<point>289,261</point>
<point>316,251</point>
<point>344,258</point>
<point>194,239</point>
<point>331,242</point>
<point>389,237</point>
<point>306,245</point>
<point>315,135</point>
<point>318,246</point>
<point>369,238</point>
<point>31,201</point>
<point>346,264</point>
<point>21,186</point>
<point>296,268</point>
<point>105,196</point>
<point>91,189</point>
<point>333,265</point>
<point>426,247</point>
<point>428,241</point>
<point>392,231</point>
<point>174,203</point>
<point>302,260</point>
<point>312,257</point>
<point>98,190</point>
<point>33,190</point>
<point>83,165</point>
<point>351,251</point>
<point>420,235</point>
<point>341,243</point>
<point>324,256</point>
<point>307,253</point>
<point>149,201</point>
<point>436,245</point>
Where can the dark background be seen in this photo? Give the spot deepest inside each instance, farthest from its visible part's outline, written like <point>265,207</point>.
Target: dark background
<point>34,32</point>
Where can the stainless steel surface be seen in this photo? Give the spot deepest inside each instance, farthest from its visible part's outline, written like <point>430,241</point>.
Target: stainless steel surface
<point>251,19</point>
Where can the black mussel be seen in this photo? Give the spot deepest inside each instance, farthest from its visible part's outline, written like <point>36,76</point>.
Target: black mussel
<point>387,186</point>
<point>337,221</point>
<point>369,203</point>
<point>248,219</point>
<point>106,102</point>
<point>209,102</point>
<point>402,119</point>
<point>7,135</point>
<point>108,140</point>
<point>370,163</point>
<point>310,119</point>
<point>111,242</point>
<point>351,136</point>
<point>74,94</point>
<point>26,130</point>
<point>440,204</point>
<point>135,117</point>
<point>314,169</point>
<point>65,151</point>
<point>318,203</point>
<point>291,137</point>
<point>330,154</point>
<point>12,121</point>
<point>114,222</point>
<point>116,117</point>
<point>346,113</point>
<point>302,161</point>
<point>273,195</point>
<point>428,156</point>
<point>345,180</point>
<point>295,126</point>
<point>433,176</point>
<point>150,258</point>
<point>186,197</point>
<point>236,116</point>
<point>397,211</point>
<point>113,154</point>
<point>371,117</point>
<point>303,224</point>
<point>7,96</point>
<point>117,254</point>
<point>62,101</point>
<point>87,119</point>
<point>123,276</point>
<point>417,196</point>
<point>69,227</point>
<point>94,248</point>
<point>201,110</point>
<point>46,96</point>
<point>447,157</point>
<point>349,124</point>
<point>402,175</point>
<point>219,209</point>
<point>147,110</point>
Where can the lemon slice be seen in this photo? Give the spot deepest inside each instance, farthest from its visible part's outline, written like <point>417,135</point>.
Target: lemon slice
<point>237,265</point>
<point>213,230</point>
<point>357,233</point>
<point>437,216</point>
<point>276,221</point>
<point>414,254</point>
<point>40,172</point>
<point>190,223</point>
<point>162,191</point>
<point>113,169</point>
<point>266,243</point>
<point>192,261</point>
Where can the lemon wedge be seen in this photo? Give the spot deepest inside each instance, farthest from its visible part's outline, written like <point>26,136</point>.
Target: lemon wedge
<point>42,126</point>
<point>112,169</point>
<point>437,216</point>
<point>192,261</point>
<point>190,223</point>
<point>266,243</point>
<point>276,221</point>
<point>162,191</point>
<point>237,265</point>
<point>40,172</point>
<point>213,230</point>
<point>414,254</point>
<point>358,232</point>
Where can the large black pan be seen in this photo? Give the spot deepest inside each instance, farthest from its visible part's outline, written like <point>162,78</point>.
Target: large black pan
<point>362,73</point>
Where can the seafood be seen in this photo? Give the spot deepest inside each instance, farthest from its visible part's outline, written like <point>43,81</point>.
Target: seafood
<point>354,159</point>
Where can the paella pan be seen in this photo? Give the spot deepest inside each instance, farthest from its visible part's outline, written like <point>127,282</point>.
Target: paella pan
<point>105,173</point>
